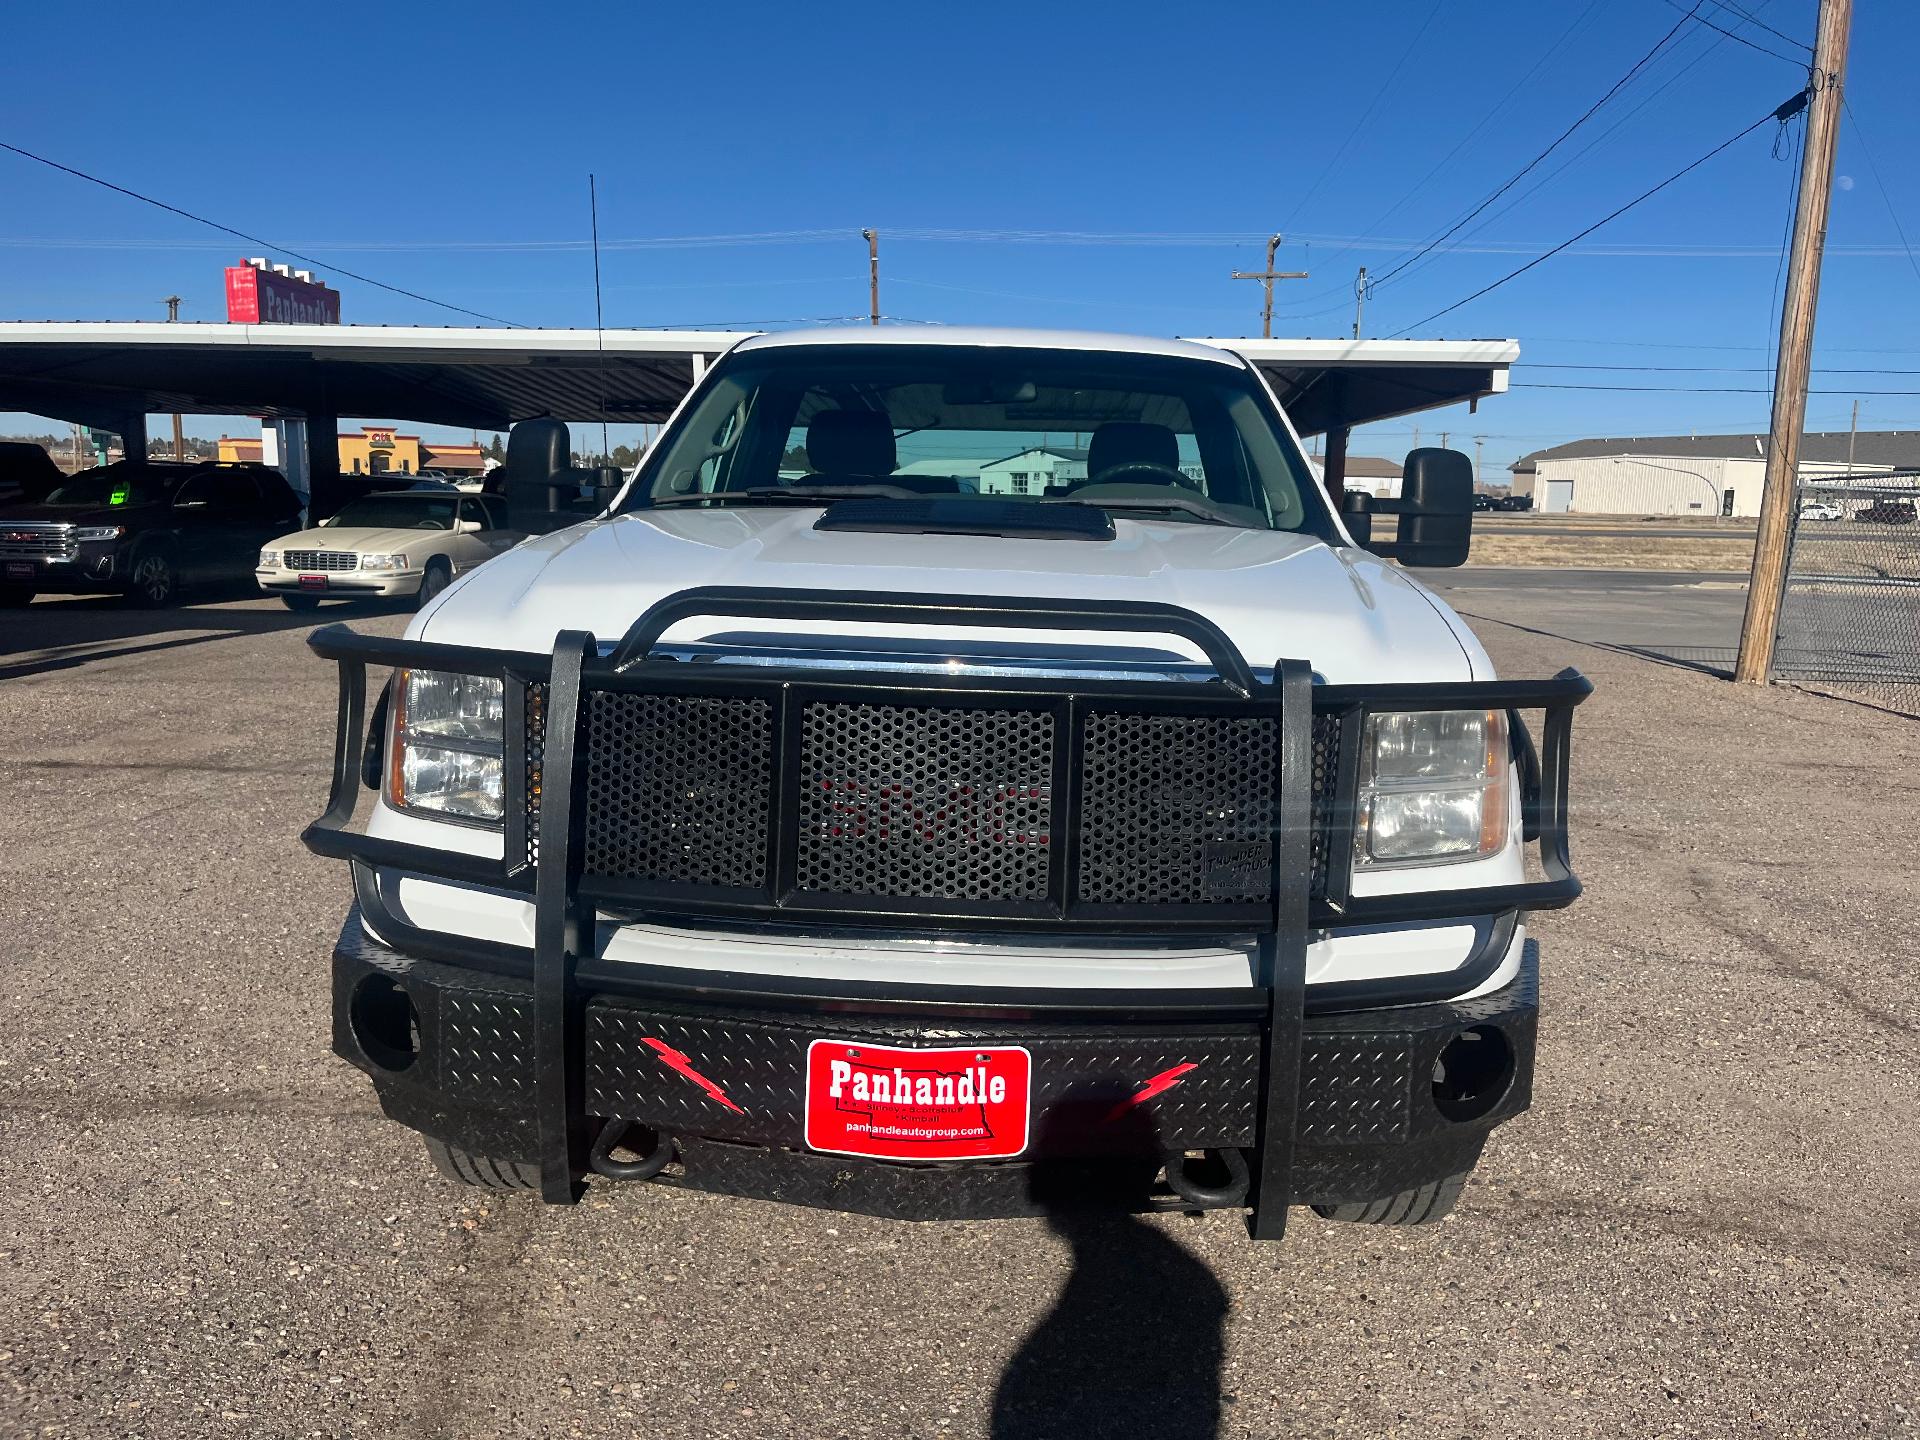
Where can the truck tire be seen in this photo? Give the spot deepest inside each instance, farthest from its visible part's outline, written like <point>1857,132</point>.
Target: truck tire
<point>463,1167</point>
<point>1424,1205</point>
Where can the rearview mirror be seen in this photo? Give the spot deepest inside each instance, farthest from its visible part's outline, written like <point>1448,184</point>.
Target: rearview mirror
<point>1435,510</point>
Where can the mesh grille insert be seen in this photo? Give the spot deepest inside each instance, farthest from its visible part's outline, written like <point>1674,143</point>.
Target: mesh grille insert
<point>1326,769</point>
<point>678,788</point>
<point>910,801</point>
<point>1175,809</point>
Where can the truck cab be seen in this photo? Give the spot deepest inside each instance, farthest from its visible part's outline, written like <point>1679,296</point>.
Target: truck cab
<point>954,777</point>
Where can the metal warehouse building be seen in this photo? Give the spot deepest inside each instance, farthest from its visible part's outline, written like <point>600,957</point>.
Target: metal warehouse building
<point>1692,474</point>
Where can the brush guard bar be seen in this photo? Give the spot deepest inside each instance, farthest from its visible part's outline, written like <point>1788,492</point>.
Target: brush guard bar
<point>1315,731</point>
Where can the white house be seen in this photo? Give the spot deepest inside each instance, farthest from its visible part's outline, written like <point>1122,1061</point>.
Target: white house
<point>1033,470</point>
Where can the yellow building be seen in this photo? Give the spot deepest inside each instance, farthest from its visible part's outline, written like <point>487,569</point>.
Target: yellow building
<point>378,450</point>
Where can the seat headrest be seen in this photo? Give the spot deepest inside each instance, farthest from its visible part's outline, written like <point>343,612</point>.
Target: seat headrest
<point>1130,442</point>
<point>851,442</point>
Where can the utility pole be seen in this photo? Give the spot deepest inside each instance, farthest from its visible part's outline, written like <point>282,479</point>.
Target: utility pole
<point>873,273</point>
<point>1359,298</point>
<point>1445,435</point>
<point>1478,441</point>
<point>1266,277</point>
<point>179,437</point>
<point>1768,584</point>
<point>1853,433</point>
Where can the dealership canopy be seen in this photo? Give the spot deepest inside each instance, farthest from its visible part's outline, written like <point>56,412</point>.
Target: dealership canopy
<point>107,374</point>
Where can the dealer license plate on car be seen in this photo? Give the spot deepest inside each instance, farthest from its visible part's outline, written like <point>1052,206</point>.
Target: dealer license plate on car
<point>313,582</point>
<point>886,1103</point>
<point>19,570</point>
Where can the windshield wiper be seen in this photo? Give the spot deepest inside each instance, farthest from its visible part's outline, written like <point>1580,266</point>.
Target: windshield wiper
<point>1173,502</point>
<point>789,495</point>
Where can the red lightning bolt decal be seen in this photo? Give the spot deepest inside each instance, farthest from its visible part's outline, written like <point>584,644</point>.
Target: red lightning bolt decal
<point>1165,1080</point>
<point>674,1060</point>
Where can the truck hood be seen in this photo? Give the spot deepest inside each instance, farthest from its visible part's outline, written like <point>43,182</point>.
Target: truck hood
<point>1349,614</point>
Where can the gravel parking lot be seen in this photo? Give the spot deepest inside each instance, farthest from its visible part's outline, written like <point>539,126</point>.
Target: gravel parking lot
<point>1707,1226</point>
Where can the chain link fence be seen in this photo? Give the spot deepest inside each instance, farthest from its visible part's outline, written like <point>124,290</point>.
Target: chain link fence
<point>1850,623</point>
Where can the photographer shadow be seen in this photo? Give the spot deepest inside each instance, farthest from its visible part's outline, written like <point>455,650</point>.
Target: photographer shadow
<point>1134,1344</point>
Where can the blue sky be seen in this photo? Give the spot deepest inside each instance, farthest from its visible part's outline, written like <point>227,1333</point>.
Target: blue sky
<point>450,156</point>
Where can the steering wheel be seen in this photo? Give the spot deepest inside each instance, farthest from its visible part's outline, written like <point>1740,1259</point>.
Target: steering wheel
<point>1139,472</point>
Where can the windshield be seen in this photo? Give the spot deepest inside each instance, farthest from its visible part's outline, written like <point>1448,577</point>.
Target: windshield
<point>395,512</point>
<point>113,485</point>
<point>1142,436</point>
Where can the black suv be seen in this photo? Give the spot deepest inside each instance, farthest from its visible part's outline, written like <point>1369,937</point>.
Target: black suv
<point>144,529</point>
<point>1887,512</point>
<point>27,472</point>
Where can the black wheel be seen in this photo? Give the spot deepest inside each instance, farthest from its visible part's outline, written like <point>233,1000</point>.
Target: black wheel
<point>300,602</point>
<point>12,597</point>
<point>1424,1205</point>
<point>439,575</point>
<point>483,1171</point>
<point>153,582</point>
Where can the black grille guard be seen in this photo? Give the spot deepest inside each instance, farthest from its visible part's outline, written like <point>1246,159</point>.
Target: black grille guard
<point>1309,815</point>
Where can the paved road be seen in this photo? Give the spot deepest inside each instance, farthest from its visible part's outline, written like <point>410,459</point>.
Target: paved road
<point>1685,618</point>
<point>1706,1227</point>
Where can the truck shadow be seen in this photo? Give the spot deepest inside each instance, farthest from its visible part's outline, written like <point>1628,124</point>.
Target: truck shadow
<point>1134,1344</point>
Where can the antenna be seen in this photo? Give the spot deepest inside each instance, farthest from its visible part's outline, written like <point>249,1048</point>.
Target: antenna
<point>599,324</point>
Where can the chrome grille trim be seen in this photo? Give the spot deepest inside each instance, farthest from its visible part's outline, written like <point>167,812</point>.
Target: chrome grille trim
<point>318,560</point>
<point>36,540</point>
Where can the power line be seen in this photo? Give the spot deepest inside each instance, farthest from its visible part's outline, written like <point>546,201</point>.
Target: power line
<point>252,239</point>
<point>1707,369</point>
<point>1886,199</point>
<point>1731,35</point>
<point>1353,243</point>
<point>1753,19</point>
<point>1693,389</point>
<point>1515,201</point>
<point>1783,112</point>
<point>1457,225</point>
<point>1365,116</point>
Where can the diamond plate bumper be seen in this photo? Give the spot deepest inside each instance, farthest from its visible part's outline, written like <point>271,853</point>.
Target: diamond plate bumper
<point>1368,1125</point>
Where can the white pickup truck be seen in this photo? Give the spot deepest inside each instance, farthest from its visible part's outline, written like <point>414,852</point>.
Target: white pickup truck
<point>957,776</point>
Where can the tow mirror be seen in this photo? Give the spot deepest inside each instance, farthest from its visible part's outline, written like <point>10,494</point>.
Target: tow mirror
<point>1356,509</point>
<point>543,488</point>
<point>1434,509</point>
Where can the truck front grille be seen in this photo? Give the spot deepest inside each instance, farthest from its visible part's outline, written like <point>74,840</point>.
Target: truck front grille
<point>921,809</point>
<point>316,560</point>
<point>30,540</point>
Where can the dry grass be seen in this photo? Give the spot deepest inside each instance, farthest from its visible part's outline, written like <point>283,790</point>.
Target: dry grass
<point>1590,552</point>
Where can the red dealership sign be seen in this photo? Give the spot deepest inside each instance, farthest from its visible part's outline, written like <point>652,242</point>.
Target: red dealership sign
<point>266,297</point>
<point>960,1104</point>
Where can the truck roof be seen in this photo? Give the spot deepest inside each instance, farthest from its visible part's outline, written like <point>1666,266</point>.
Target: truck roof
<point>1009,337</point>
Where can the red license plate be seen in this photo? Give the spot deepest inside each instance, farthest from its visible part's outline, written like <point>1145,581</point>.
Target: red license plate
<point>19,570</point>
<point>313,582</point>
<point>966,1103</point>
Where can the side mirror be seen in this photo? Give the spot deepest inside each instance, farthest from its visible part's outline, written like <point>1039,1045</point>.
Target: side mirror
<point>1435,511</point>
<point>1356,509</point>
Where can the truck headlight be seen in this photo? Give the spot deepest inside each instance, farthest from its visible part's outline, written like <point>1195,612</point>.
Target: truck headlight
<point>447,751</point>
<point>98,532</point>
<point>383,562</point>
<point>269,560</point>
<point>1433,788</point>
